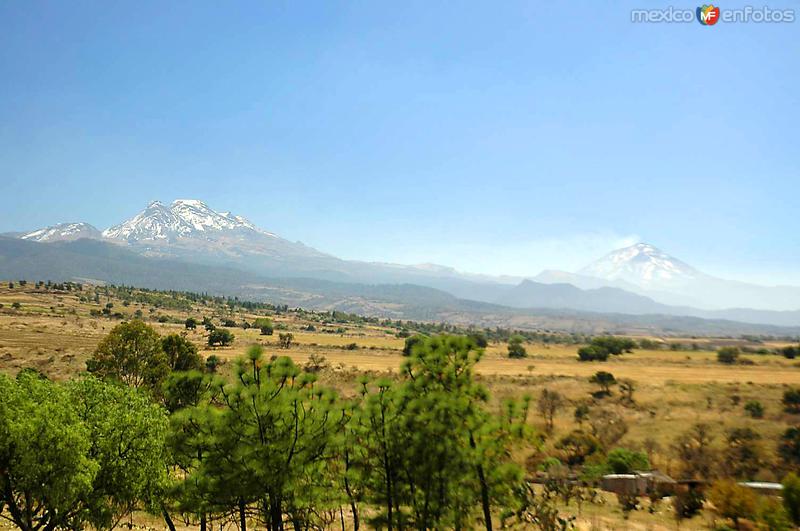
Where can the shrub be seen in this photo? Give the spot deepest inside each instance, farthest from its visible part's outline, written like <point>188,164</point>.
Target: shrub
<point>732,500</point>
<point>728,355</point>
<point>190,323</point>
<point>479,338</point>
<point>755,409</point>
<point>220,336</point>
<point>791,352</point>
<point>791,401</point>
<point>315,363</point>
<point>791,496</point>
<point>265,325</point>
<point>789,446</point>
<point>687,502</point>
<point>212,362</point>
<point>577,446</point>
<point>624,461</point>
<point>605,380</point>
<point>516,349</point>
<point>411,343</point>
<point>285,340</point>
<point>614,345</point>
<point>592,353</point>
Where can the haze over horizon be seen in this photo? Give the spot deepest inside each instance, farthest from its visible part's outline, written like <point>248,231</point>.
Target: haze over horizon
<point>408,135</point>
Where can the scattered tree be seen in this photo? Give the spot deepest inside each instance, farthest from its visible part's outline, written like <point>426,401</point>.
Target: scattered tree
<point>181,353</point>
<point>732,500</point>
<point>285,340</point>
<point>516,349</point>
<point>728,355</point>
<point>549,404</point>
<point>132,354</point>
<point>220,336</point>
<point>605,380</point>
<point>743,456</point>
<point>411,343</point>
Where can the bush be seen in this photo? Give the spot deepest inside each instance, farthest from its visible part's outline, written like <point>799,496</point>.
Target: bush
<point>604,346</point>
<point>605,380</point>
<point>577,446</point>
<point>790,352</point>
<point>624,461</point>
<point>220,336</point>
<point>649,344</point>
<point>755,409</point>
<point>411,343</point>
<point>479,338</point>
<point>592,353</point>
<point>791,496</point>
<point>516,349</point>
<point>728,355</point>
<point>789,446</point>
<point>212,362</point>
<point>614,345</point>
<point>687,502</point>
<point>285,340</point>
<point>791,401</point>
<point>733,501</point>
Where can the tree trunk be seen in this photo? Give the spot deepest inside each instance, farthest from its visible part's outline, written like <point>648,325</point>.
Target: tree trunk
<point>203,522</point>
<point>242,516</point>
<point>167,518</point>
<point>487,510</point>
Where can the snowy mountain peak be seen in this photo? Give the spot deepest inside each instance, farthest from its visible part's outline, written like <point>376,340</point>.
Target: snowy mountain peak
<point>644,265</point>
<point>183,218</point>
<point>62,232</point>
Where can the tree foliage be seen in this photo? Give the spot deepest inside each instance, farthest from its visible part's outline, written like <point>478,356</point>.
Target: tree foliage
<point>132,354</point>
<point>74,454</point>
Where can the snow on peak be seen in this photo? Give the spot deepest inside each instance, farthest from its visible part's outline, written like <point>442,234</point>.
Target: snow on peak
<point>643,265</point>
<point>183,218</point>
<point>62,232</point>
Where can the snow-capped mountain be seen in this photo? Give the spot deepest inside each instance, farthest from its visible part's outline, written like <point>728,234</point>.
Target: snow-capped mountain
<point>63,232</point>
<point>183,218</point>
<point>193,233</point>
<point>643,265</point>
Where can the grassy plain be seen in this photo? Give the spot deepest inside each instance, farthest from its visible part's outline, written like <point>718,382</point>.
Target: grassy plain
<point>56,332</point>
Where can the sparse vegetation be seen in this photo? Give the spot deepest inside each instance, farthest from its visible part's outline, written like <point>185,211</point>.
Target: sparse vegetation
<point>728,355</point>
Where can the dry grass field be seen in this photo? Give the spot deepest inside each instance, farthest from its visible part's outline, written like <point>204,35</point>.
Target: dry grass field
<point>56,332</point>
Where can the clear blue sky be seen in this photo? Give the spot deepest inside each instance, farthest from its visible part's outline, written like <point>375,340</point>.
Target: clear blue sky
<point>495,137</point>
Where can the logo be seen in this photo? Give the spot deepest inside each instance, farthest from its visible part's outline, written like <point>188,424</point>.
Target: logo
<point>707,15</point>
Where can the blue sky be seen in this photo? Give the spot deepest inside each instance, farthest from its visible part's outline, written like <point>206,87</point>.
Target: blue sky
<point>494,137</point>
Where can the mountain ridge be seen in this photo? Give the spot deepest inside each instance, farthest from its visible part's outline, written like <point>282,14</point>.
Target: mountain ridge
<point>102,261</point>
<point>190,230</point>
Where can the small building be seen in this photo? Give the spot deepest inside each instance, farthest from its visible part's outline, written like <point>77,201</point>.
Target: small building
<point>763,487</point>
<point>639,483</point>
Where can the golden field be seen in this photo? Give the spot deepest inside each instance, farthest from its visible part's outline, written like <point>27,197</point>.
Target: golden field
<point>56,332</point>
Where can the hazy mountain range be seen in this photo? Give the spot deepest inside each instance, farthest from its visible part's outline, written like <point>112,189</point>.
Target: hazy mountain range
<point>188,245</point>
